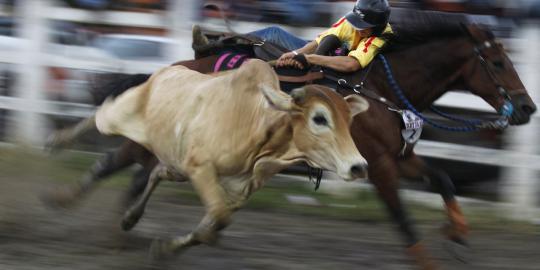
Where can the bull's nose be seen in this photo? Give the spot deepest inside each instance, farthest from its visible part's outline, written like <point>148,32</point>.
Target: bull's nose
<point>359,170</point>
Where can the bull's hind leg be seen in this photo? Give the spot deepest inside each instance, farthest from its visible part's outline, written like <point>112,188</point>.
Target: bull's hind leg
<point>104,167</point>
<point>205,181</point>
<point>414,167</point>
<point>65,137</point>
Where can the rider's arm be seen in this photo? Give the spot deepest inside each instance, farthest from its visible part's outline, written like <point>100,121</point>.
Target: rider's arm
<point>311,47</point>
<point>339,63</point>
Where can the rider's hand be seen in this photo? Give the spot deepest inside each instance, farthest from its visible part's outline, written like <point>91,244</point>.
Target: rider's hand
<point>290,63</point>
<point>283,59</point>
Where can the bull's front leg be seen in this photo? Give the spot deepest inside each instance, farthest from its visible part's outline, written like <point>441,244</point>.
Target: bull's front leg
<point>218,212</point>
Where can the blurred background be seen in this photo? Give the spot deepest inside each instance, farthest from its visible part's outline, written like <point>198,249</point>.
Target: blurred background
<point>50,51</point>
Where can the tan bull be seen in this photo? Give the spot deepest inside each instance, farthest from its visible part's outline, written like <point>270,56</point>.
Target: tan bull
<point>228,134</point>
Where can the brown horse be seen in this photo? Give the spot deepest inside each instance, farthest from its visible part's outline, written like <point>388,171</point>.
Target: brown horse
<point>427,61</point>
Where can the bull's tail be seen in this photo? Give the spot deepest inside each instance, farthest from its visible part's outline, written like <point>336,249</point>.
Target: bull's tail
<point>114,84</point>
<point>61,139</point>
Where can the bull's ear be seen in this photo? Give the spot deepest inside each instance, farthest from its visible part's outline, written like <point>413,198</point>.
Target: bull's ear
<point>277,99</point>
<point>299,95</point>
<point>357,104</point>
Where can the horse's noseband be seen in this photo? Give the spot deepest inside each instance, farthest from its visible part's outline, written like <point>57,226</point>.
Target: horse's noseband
<point>478,49</point>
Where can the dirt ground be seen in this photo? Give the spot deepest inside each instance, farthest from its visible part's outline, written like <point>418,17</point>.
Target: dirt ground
<point>88,237</point>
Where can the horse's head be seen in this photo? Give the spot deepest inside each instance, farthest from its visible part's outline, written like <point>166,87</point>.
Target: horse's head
<point>490,74</point>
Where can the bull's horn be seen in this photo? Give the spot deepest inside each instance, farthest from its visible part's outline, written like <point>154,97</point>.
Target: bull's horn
<point>276,98</point>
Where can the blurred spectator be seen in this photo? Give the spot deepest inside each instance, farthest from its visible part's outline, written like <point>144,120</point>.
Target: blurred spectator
<point>137,5</point>
<point>55,84</point>
<point>90,4</point>
<point>293,12</point>
<point>7,26</point>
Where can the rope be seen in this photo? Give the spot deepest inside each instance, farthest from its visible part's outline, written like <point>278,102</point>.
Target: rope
<point>470,125</point>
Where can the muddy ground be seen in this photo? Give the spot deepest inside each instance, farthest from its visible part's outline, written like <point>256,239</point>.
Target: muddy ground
<point>88,237</point>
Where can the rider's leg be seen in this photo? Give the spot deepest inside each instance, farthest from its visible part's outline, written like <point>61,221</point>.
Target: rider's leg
<point>273,34</point>
<point>281,37</point>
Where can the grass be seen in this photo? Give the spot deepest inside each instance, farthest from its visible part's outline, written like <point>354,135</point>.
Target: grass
<point>364,206</point>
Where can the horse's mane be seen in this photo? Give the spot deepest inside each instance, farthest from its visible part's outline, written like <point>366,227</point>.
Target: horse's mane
<point>413,27</point>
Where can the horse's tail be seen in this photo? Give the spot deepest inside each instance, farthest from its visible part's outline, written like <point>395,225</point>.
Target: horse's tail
<point>114,84</point>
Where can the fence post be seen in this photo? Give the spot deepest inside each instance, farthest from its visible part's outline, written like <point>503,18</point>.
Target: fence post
<point>181,15</point>
<point>519,186</point>
<point>30,72</point>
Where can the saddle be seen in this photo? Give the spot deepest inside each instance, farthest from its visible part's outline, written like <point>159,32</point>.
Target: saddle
<point>235,49</point>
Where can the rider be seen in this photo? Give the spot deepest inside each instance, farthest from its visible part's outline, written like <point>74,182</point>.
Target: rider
<point>360,31</point>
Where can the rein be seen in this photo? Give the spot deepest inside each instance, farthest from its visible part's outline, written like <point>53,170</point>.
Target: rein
<point>470,124</point>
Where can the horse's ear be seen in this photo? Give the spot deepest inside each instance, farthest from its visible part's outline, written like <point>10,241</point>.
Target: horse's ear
<point>357,104</point>
<point>466,29</point>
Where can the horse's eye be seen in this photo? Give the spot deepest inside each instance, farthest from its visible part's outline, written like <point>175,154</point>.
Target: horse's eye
<point>320,120</point>
<point>498,65</point>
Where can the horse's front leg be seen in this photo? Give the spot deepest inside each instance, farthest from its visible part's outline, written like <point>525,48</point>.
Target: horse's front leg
<point>218,212</point>
<point>413,167</point>
<point>457,229</point>
<point>384,175</point>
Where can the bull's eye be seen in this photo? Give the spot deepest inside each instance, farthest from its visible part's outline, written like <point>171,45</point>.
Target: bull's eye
<point>320,120</point>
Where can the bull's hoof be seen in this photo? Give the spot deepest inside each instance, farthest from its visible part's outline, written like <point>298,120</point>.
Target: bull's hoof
<point>160,250</point>
<point>131,219</point>
<point>210,239</point>
<point>60,198</point>
<point>56,142</point>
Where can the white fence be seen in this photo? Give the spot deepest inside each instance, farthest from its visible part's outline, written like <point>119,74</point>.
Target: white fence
<point>521,160</point>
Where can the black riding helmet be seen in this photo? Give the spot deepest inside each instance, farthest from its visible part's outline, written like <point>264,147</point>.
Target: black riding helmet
<point>369,14</point>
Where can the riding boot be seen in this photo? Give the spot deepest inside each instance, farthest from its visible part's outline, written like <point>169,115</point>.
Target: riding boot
<point>202,46</point>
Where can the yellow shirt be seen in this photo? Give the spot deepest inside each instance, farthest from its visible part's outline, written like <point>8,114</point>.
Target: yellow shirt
<point>363,49</point>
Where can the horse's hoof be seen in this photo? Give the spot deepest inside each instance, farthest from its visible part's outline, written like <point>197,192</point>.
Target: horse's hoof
<point>459,248</point>
<point>130,220</point>
<point>421,257</point>
<point>456,243</point>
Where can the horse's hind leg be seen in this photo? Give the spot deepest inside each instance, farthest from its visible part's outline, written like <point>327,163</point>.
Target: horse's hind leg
<point>384,175</point>
<point>65,137</point>
<point>414,167</point>
<point>135,212</point>
<point>103,167</point>
<point>136,187</point>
